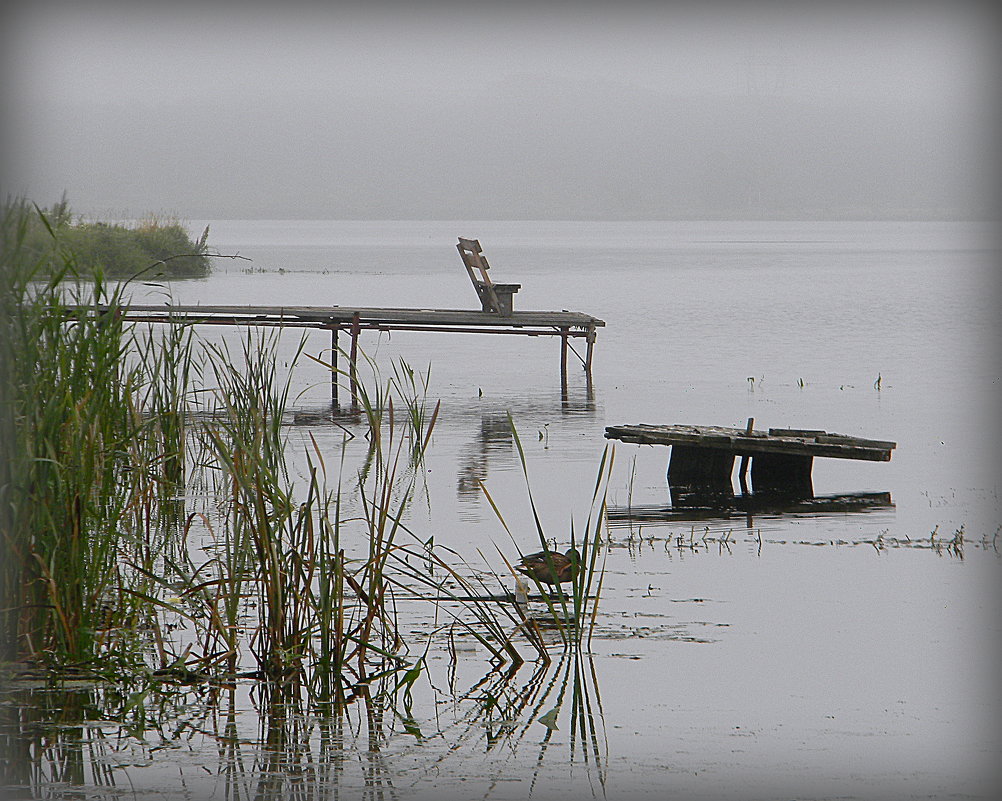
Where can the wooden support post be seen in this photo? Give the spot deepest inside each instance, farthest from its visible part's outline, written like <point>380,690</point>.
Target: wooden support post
<point>353,359</point>
<point>743,466</point>
<point>701,469</point>
<point>590,339</point>
<point>563,361</point>
<point>783,474</point>
<point>334,332</point>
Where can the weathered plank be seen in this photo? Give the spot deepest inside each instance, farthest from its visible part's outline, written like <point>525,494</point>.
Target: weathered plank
<point>843,439</point>
<point>344,315</point>
<point>739,442</point>
<point>796,432</point>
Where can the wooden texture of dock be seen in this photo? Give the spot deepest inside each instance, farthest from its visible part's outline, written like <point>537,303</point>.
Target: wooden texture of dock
<point>566,325</point>
<point>702,457</point>
<point>495,316</point>
<point>741,442</point>
<point>530,323</point>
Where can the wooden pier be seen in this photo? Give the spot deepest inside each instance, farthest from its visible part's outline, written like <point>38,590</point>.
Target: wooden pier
<point>702,457</point>
<point>496,316</point>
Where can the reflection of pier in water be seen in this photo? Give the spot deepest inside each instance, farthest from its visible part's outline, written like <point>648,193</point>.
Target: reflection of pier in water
<point>491,432</point>
<point>691,509</point>
<point>493,435</point>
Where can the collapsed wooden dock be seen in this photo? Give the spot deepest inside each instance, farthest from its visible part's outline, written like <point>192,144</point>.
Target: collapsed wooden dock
<point>496,316</point>
<point>702,457</point>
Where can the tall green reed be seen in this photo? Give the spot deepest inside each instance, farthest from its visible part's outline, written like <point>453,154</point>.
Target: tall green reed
<point>67,422</point>
<point>263,530</point>
<point>280,581</point>
<point>386,485</point>
<point>166,356</point>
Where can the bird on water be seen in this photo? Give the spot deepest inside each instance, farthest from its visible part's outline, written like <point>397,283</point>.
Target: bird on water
<point>551,567</point>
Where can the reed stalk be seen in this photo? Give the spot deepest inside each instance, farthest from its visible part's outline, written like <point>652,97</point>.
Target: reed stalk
<point>263,528</point>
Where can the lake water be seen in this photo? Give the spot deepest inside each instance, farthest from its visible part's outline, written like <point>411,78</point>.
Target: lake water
<point>841,652</point>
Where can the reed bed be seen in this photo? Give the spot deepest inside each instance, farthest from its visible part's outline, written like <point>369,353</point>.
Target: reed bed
<point>113,567</point>
<point>68,485</point>
<point>158,549</point>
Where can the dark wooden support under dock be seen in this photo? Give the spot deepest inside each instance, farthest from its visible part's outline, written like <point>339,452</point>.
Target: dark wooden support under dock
<point>702,457</point>
<point>694,467</point>
<point>356,328</point>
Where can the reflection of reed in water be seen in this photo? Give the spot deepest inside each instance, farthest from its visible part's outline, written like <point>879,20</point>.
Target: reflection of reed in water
<point>87,739</point>
<point>588,741</point>
<point>48,743</point>
<point>100,742</point>
<point>305,756</point>
<point>91,739</point>
<point>302,755</point>
<point>504,718</point>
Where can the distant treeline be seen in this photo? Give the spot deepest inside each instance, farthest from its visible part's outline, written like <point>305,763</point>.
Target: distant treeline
<point>150,247</point>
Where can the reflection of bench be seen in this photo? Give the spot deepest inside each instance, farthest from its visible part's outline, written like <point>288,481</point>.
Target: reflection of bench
<point>494,298</point>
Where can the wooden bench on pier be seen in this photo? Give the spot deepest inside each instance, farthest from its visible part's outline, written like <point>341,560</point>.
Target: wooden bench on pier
<point>496,316</point>
<point>702,457</point>
<point>494,298</point>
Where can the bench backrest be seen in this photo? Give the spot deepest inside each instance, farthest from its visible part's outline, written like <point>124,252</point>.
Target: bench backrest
<point>477,267</point>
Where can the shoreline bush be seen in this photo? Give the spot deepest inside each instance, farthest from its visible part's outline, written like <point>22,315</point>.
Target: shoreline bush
<point>148,248</point>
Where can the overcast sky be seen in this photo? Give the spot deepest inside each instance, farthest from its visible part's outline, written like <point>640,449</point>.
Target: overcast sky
<point>512,110</point>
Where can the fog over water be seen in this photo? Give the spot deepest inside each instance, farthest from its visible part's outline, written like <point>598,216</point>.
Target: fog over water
<point>519,111</point>
<point>783,212</point>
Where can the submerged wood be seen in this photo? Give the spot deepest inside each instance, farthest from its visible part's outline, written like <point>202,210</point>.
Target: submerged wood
<point>843,503</point>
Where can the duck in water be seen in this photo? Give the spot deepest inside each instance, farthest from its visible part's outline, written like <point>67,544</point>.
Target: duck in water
<point>551,567</point>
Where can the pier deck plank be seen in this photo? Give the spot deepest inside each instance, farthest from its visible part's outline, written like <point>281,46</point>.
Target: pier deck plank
<point>368,316</point>
<point>739,442</point>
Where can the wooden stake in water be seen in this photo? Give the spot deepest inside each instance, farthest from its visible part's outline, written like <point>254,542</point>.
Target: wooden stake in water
<point>353,366</point>
<point>334,332</point>
<point>743,466</point>
<point>563,361</point>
